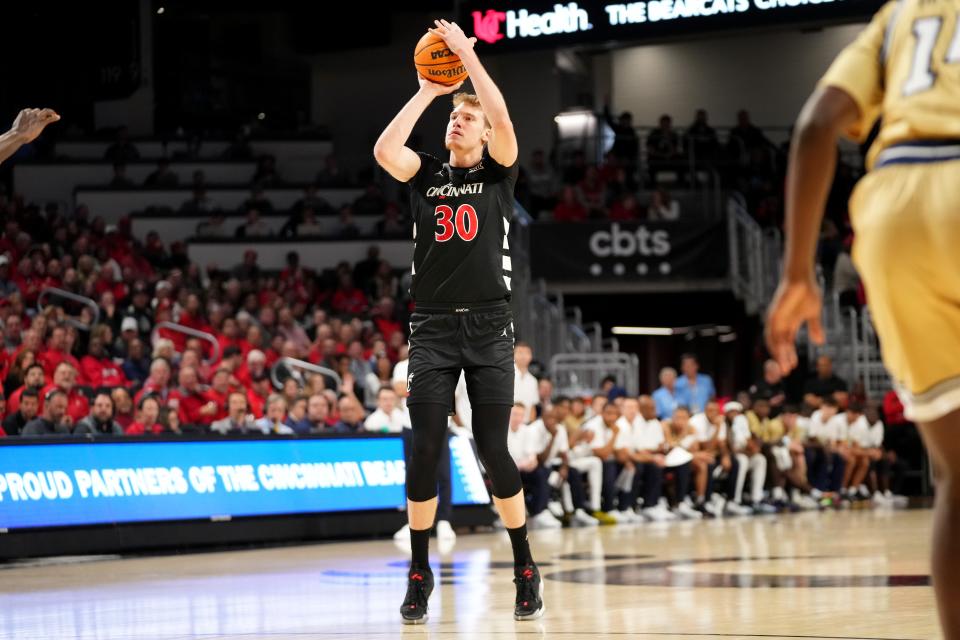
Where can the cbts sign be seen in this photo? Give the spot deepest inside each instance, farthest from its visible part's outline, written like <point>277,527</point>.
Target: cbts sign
<point>504,25</point>
<point>600,251</point>
<point>621,243</point>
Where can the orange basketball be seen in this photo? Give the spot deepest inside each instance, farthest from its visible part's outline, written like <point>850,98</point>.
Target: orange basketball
<point>436,63</point>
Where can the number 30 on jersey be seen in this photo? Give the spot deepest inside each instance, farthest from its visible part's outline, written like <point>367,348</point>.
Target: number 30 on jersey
<point>463,224</point>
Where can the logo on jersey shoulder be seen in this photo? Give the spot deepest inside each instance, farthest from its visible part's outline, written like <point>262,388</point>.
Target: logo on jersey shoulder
<point>448,190</point>
<point>409,382</point>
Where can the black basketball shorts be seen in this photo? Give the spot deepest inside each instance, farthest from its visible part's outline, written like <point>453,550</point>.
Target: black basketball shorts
<point>477,339</point>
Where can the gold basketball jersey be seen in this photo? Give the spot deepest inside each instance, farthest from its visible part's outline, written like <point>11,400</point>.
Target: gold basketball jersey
<point>905,68</point>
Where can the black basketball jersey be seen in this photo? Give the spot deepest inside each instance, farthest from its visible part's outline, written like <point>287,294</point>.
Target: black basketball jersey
<point>461,220</point>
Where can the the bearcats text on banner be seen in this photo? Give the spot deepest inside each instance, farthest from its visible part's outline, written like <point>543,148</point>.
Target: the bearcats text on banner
<point>628,250</point>
<point>502,26</point>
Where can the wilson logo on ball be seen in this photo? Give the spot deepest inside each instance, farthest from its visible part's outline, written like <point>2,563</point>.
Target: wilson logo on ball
<point>446,74</point>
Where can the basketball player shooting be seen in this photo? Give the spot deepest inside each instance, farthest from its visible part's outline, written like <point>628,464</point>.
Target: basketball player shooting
<point>462,211</point>
<point>903,68</point>
<point>27,126</point>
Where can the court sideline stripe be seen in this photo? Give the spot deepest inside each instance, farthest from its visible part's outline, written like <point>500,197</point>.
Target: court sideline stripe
<point>532,632</point>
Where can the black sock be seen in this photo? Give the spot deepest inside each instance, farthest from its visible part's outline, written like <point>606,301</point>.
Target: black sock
<point>420,546</point>
<point>521,547</point>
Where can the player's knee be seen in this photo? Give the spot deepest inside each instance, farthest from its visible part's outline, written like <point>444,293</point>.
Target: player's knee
<point>426,451</point>
<point>490,449</point>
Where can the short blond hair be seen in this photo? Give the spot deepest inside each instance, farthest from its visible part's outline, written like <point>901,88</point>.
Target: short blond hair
<point>471,99</point>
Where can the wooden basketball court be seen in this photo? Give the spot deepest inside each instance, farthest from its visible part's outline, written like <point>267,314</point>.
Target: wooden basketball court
<point>852,575</point>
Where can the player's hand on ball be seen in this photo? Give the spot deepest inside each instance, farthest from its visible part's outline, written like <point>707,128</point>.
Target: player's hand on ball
<point>453,35</point>
<point>30,122</point>
<point>436,89</point>
<point>793,304</point>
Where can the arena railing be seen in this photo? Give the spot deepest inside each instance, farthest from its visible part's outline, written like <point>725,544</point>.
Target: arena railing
<point>746,255</point>
<point>294,366</point>
<point>73,297</point>
<point>543,319</point>
<point>580,374</point>
<point>194,333</point>
<point>876,378</point>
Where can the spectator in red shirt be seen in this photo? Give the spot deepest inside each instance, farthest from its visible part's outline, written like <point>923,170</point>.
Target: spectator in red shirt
<point>232,361</point>
<point>65,379</point>
<point>29,283</point>
<point>229,335</point>
<point>191,358</point>
<point>593,192</point>
<point>348,299</point>
<point>5,359</point>
<point>325,354</point>
<point>54,275</point>
<point>192,405</point>
<point>258,394</point>
<point>610,170</point>
<point>626,208</point>
<point>30,342</point>
<point>384,318</point>
<point>177,339</point>
<point>893,409</point>
<point>18,370</point>
<point>219,393</point>
<point>56,351</point>
<point>124,413</point>
<point>148,416</point>
<point>34,378</point>
<point>158,382</point>
<point>252,341</point>
<point>569,208</point>
<point>275,351</point>
<point>98,370</point>
<point>191,315</point>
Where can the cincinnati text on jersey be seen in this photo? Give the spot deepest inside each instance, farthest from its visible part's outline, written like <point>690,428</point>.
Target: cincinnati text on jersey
<point>448,190</point>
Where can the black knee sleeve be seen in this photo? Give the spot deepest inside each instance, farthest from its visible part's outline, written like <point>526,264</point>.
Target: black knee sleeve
<point>429,423</point>
<point>490,425</point>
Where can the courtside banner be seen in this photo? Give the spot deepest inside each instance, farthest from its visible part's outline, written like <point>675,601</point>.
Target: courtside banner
<point>50,485</point>
<point>629,251</point>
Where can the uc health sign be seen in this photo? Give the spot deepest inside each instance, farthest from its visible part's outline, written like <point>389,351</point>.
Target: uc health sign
<point>599,251</point>
<point>48,485</point>
<point>502,26</point>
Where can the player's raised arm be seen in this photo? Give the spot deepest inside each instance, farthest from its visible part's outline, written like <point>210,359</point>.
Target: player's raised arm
<point>503,142</point>
<point>26,128</point>
<point>391,152</point>
<point>813,158</point>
